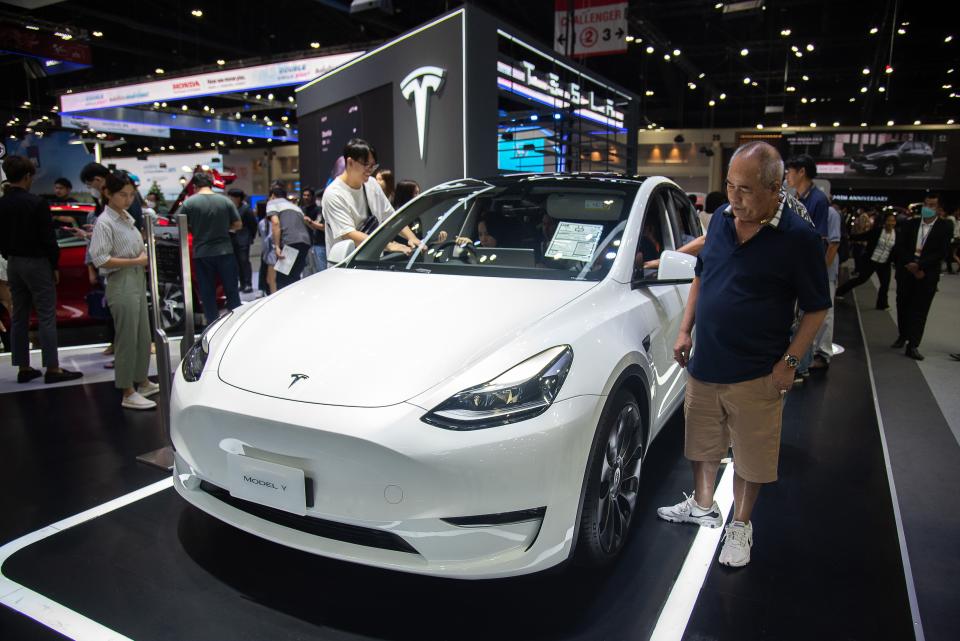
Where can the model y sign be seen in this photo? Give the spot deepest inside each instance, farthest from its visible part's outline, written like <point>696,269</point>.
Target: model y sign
<point>417,86</point>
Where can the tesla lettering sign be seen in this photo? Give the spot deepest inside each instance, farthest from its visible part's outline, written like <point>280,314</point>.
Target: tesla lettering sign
<point>599,27</point>
<point>417,86</point>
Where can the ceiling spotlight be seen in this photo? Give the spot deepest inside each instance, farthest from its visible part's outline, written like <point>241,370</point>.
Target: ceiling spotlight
<point>754,83</point>
<point>666,57</point>
<point>950,122</point>
<point>865,71</point>
<point>719,5</point>
<point>648,92</point>
<point>759,126</point>
<point>798,54</point>
<point>703,75</point>
<point>196,144</point>
<point>950,70</point>
<point>163,104</point>
<point>813,124</point>
<point>649,49</point>
<point>946,86</point>
<point>791,89</point>
<point>183,108</point>
<point>852,100</point>
<point>785,32</point>
<point>888,69</point>
<point>249,141</point>
<point>744,52</point>
<point>26,103</point>
<point>290,99</point>
<point>916,122</point>
<point>746,80</point>
<point>809,47</point>
<point>628,39</point>
<point>863,90</point>
<point>889,123</point>
<point>97,34</point>
<point>863,124</point>
<point>723,96</point>
<point>836,124</point>
<point>221,61</point>
<point>314,45</point>
<point>196,13</point>
<point>676,52</point>
<point>902,31</point>
<point>712,103</point>
<point>881,89</point>
<point>158,71</point>
<point>691,85</point>
<point>874,31</point>
<point>948,39</point>
<point>803,100</point>
<point>806,78</point>
<point>794,48</point>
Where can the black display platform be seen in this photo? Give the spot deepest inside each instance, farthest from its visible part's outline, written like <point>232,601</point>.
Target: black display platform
<point>826,561</point>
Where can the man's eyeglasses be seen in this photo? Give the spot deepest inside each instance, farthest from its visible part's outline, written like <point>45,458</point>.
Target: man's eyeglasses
<point>369,167</point>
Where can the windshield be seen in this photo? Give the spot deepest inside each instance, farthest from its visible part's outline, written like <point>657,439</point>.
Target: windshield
<point>538,227</point>
<point>889,146</point>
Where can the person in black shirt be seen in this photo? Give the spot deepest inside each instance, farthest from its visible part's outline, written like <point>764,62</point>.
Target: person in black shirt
<point>313,218</point>
<point>30,247</point>
<point>243,238</point>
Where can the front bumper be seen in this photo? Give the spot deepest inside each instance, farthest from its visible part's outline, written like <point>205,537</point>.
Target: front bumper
<point>864,166</point>
<point>387,489</point>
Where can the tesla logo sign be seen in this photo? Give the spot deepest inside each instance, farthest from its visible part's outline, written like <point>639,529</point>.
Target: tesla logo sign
<point>417,86</point>
<point>296,379</point>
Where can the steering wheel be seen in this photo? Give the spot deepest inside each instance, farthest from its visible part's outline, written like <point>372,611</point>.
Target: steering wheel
<point>469,255</point>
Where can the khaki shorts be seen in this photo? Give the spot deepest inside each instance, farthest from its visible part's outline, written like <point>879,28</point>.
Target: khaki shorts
<point>745,416</point>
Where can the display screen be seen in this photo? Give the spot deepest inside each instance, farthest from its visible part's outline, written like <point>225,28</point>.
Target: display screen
<point>324,133</point>
<point>878,160</point>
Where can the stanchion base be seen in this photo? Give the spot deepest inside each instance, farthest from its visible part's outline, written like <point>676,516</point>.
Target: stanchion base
<point>162,458</point>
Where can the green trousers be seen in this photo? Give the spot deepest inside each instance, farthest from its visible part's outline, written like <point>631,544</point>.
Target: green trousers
<point>127,298</point>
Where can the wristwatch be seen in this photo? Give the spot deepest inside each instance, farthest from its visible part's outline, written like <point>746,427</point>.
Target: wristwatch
<point>791,361</point>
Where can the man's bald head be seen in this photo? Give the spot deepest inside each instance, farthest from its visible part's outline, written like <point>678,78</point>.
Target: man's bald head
<point>762,158</point>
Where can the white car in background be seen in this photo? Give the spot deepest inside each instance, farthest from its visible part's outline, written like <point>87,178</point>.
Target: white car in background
<point>479,409</point>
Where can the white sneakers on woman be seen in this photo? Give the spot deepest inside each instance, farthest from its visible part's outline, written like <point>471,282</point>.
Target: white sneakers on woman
<point>147,389</point>
<point>137,401</point>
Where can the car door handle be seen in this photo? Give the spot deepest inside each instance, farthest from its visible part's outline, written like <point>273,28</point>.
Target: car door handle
<point>646,343</point>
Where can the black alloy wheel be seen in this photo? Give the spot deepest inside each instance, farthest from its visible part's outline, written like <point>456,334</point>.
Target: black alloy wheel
<point>613,484</point>
<point>889,169</point>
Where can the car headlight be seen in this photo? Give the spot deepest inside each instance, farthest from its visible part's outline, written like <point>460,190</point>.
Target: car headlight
<point>521,392</point>
<point>196,357</point>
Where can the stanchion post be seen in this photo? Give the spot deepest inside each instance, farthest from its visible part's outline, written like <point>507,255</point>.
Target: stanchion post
<point>186,271</point>
<point>163,457</point>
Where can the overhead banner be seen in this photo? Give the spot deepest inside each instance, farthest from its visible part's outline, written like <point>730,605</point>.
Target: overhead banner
<point>279,74</point>
<point>599,27</point>
<point>38,44</point>
<point>114,127</point>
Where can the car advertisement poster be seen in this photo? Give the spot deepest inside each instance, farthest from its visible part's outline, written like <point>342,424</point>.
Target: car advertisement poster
<point>877,159</point>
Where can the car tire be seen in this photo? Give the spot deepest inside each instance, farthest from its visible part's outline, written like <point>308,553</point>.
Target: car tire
<point>888,169</point>
<point>613,483</point>
<point>927,164</point>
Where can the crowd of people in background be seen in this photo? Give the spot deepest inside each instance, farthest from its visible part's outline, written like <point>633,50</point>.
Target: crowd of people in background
<point>294,237</point>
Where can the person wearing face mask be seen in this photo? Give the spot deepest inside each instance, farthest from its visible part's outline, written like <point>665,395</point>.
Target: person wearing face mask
<point>922,245</point>
<point>354,203</point>
<point>881,241</point>
<point>117,250</point>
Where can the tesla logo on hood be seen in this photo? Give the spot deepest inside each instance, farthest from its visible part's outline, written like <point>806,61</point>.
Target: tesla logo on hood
<point>296,379</point>
<point>417,86</point>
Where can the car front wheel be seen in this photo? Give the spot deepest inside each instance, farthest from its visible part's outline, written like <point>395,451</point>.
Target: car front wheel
<point>613,484</point>
<point>889,169</point>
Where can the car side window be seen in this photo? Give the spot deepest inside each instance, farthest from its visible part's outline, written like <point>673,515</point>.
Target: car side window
<point>655,237</point>
<point>683,219</point>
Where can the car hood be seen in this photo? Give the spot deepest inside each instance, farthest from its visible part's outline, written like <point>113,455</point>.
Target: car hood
<point>372,339</point>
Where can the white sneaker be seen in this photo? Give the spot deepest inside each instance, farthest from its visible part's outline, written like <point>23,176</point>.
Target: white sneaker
<point>688,511</point>
<point>148,388</point>
<point>737,540</point>
<point>137,402</point>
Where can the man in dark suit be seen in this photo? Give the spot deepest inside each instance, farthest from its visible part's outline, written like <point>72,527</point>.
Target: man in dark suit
<point>922,244</point>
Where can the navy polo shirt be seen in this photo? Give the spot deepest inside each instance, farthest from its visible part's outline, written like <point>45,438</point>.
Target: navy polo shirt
<point>745,306</point>
<point>817,206</point>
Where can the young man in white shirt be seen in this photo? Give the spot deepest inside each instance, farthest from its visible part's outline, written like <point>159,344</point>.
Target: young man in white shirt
<point>354,197</point>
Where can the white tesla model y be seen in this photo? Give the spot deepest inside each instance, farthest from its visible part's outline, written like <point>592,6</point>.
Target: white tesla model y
<point>478,409</point>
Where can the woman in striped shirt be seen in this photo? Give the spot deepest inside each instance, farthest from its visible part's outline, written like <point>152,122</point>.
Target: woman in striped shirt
<point>116,249</point>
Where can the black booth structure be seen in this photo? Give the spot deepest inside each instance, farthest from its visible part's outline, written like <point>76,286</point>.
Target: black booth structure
<point>466,96</point>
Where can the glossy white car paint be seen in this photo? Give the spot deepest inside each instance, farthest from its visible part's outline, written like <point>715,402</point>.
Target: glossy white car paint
<point>381,349</point>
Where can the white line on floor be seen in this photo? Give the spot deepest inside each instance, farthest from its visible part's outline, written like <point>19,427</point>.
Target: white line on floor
<point>904,554</point>
<point>679,606</point>
<point>46,611</point>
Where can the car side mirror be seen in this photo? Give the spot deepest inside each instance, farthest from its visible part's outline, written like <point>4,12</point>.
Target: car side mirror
<point>676,266</point>
<point>340,251</point>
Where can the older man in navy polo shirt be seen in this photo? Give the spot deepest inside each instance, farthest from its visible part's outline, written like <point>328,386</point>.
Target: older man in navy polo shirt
<point>761,257</point>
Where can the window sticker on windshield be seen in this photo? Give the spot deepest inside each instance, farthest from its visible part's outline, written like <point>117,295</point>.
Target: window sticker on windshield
<point>574,241</point>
